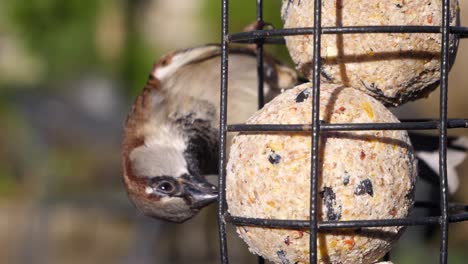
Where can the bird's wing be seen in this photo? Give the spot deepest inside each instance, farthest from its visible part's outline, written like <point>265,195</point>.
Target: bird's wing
<point>190,81</point>
<point>201,79</point>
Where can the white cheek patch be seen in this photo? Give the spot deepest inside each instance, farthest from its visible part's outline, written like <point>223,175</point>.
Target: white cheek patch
<point>157,161</point>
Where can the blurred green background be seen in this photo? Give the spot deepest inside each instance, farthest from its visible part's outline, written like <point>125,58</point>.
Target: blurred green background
<point>69,71</point>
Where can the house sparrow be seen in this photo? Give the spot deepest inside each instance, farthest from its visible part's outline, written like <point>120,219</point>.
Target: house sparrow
<point>171,134</point>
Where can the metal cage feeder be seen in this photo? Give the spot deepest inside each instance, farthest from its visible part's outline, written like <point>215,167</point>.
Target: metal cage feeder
<point>275,36</point>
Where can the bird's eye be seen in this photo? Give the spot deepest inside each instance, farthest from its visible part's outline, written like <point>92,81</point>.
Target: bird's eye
<point>163,185</point>
<point>166,187</point>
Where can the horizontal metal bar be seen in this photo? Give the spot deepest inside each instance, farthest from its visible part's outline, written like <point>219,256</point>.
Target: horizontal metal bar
<point>271,41</point>
<point>407,125</point>
<point>458,218</point>
<point>303,224</point>
<point>275,33</point>
<point>328,225</point>
<point>436,204</point>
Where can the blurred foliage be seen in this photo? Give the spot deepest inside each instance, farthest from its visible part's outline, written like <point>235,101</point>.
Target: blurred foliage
<point>59,32</point>
<point>62,34</point>
<point>412,252</point>
<point>138,59</point>
<point>241,14</point>
<point>8,183</point>
<point>13,138</point>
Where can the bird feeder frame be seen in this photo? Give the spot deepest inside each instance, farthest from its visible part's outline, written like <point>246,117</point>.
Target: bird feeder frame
<point>275,36</point>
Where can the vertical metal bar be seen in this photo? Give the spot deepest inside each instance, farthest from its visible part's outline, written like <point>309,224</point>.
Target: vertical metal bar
<point>444,69</point>
<point>261,260</point>
<point>222,133</point>
<point>261,100</point>
<point>259,10</point>
<point>386,257</point>
<point>260,92</point>
<point>315,132</point>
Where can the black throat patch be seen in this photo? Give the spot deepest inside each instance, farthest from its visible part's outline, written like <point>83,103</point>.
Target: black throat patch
<point>201,153</point>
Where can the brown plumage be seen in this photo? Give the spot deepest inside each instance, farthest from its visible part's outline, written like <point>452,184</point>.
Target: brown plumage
<point>170,136</point>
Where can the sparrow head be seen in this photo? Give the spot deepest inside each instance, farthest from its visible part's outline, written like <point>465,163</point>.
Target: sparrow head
<point>157,176</point>
<point>159,184</point>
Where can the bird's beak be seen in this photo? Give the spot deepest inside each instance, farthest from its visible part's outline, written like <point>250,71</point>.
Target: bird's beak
<point>199,192</point>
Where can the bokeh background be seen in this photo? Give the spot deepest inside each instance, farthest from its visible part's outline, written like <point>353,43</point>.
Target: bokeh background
<point>69,71</point>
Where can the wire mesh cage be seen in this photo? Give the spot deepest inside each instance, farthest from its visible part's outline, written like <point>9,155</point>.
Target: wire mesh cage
<point>317,126</point>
